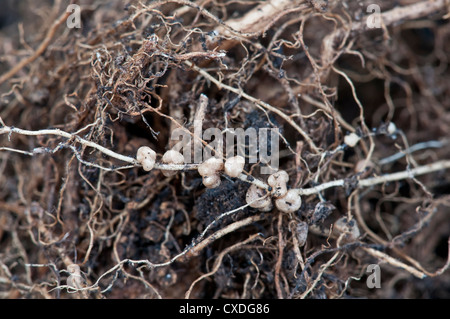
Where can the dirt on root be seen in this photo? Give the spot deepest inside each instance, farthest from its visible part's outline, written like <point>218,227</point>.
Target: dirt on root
<point>77,223</point>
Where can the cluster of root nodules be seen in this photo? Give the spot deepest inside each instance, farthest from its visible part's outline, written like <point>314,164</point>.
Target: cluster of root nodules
<point>77,223</point>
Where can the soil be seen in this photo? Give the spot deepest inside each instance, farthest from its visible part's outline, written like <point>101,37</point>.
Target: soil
<point>76,222</point>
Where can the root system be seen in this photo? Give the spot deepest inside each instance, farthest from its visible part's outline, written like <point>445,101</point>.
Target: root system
<point>79,218</point>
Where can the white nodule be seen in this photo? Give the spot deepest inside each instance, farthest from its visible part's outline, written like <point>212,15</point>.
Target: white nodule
<point>234,166</point>
<point>278,182</point>
<point>172,157</point>
<point>351,139</point>
<point>211,166</point>
<point>290,202</point>
<point>146,157</point>
<point>258,198</point>
<point>211,181</point>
